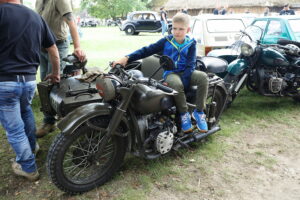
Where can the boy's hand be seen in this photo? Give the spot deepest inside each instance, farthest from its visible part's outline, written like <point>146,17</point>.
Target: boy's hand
<point>123,61</point>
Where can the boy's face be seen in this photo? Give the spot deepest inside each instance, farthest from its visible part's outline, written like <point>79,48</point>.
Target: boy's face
<point>179,31</point>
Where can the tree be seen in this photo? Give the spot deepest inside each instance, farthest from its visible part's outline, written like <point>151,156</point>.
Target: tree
<point>112,8</point>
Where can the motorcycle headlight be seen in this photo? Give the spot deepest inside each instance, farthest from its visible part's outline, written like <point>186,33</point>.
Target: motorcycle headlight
<point>106,86</point>
<point>247,49</point>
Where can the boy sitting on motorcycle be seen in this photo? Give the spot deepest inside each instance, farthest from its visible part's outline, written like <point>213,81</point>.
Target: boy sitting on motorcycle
<point>182,50</point>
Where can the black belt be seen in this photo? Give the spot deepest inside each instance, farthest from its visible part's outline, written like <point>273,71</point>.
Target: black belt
<point>17,78</point>
<point>60,42</point>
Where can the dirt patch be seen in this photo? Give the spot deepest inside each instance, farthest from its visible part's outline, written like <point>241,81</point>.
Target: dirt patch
<point>261,163</point>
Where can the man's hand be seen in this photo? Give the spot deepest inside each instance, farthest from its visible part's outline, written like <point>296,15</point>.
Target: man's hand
<point>54,78</point>
<point>123,61</point>
<point>80,54</point>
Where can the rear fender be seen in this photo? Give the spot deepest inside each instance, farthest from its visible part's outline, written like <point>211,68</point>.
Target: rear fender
<point>81,114</point>
<point>237,66</point>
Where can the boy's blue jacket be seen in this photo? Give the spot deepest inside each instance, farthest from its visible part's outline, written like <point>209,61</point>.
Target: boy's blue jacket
<point>183,56</point>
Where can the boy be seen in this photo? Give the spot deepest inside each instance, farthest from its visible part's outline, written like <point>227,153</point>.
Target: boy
<point>182,50</point>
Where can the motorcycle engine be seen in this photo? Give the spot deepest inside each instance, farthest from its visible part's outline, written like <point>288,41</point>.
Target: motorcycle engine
<point>157,133</point>
<point>275,84</point>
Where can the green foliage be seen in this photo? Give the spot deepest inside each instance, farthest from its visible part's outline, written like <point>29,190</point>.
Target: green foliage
<point>112,8</point>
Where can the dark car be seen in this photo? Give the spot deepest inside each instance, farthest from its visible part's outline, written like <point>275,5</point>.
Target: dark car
<point>88,22</point>
<point>143,21</point>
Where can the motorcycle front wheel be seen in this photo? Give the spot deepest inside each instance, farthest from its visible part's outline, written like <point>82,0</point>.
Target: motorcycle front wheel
<point>74,163</point>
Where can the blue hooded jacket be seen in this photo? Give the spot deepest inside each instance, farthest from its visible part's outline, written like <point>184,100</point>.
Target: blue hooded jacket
<point>183,55</point>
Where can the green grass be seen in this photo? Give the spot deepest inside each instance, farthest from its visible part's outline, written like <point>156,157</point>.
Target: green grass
<point>137,176</point>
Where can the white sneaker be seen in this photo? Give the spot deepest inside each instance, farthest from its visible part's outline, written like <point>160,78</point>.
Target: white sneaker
<point>18,171</point>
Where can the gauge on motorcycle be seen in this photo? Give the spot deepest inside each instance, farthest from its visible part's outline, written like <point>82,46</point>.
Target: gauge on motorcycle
<point>246,49</point>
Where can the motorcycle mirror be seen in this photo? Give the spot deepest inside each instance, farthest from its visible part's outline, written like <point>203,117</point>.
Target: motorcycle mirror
<point>166,63</point>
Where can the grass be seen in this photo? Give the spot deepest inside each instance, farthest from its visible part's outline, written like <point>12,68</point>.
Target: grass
<point>138,177</point>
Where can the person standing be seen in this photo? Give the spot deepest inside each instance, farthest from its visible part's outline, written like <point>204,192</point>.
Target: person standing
<point>163,21</point>
<point>58,15</point>
<point>286,10</point>
<point>22,34</point>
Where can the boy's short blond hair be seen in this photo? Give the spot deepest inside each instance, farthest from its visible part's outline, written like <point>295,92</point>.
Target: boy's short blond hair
<point>181,18</point>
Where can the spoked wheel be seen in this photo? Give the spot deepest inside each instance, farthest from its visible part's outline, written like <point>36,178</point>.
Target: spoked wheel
<point>75,164</point>
<point>219,98</point>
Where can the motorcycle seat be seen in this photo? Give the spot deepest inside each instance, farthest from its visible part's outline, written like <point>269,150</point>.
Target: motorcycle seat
<point>211,64</point>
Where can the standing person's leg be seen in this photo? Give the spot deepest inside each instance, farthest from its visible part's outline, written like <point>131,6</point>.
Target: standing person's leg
<point>200,79</point>
<point>11,120</point>
<point>49,120</point>
<point>163,27</point>
<point>174,81</point>
<point>27,114</point>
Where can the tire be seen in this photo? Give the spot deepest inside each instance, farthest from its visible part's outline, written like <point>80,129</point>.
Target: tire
<point>170,30</point>
<point>72,159</point>
<point>136,33</point>
<point>219,98</point>
<point>129,30</point>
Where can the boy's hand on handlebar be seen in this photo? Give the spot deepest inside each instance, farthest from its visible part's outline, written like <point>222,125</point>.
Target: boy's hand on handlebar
<point>123,61</point>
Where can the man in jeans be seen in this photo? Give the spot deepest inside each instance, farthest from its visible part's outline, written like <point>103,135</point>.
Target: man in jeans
<point>22,34</point>
<point>58,15</point>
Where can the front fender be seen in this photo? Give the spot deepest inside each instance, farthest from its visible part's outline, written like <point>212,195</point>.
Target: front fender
<point>81,114</point>
<point>237,66</point>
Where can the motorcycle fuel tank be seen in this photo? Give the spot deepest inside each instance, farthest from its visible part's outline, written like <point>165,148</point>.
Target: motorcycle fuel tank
<point>273,58</point>
<point>148,100</point>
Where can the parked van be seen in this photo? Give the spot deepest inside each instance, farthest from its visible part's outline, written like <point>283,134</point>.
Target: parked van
<point>215,31</point>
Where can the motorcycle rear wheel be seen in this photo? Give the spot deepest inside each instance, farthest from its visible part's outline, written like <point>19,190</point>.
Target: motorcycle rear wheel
<point>74,164</point>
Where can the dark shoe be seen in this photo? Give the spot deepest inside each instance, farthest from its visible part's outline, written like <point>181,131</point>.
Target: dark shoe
<point>200,118</point>
<point>18,171</point>
<point>186,123</point>
<point>44,130</point>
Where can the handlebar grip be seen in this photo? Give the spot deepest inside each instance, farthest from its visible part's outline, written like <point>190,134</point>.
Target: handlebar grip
<point>164,88</point>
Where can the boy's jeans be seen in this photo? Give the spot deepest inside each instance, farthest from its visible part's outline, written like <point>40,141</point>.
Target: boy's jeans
<point>17,118</point>
<point>200,79</point>
<point>46,68</point>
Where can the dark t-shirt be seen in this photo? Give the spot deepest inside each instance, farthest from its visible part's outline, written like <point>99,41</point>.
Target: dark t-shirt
<point>22,33</point>
<point>163,13</point>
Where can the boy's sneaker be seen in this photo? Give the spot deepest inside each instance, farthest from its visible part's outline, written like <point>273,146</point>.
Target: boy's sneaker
<point>18,171</point>
<point>186,122</point>
<point>200,118</point>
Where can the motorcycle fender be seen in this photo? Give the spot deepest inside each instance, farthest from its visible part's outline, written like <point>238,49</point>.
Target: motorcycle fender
<point>237,66</point>
<point>81,114</point>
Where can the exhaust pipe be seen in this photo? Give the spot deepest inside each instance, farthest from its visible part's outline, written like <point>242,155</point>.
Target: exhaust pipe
<point>196,137</point>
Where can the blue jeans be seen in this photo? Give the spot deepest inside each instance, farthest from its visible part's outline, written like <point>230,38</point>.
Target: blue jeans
<point>17,118</point>
<point>164,27</point>
<point>46,68</point>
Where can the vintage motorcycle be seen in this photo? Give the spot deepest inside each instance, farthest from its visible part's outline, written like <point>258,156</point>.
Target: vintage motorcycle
<point>137,114</point>
<point>268,69</point>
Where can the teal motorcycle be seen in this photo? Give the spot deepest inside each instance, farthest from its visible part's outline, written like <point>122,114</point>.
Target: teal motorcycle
<point>268,69</point>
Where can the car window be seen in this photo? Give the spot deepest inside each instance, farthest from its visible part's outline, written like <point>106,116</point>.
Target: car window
<point>224,25</point>
<point>137,17</point>
<point>148,17</point>
<point>295,25</point>
<point>261,24</point>
<point>197,30</point>
<point>274,28</point>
